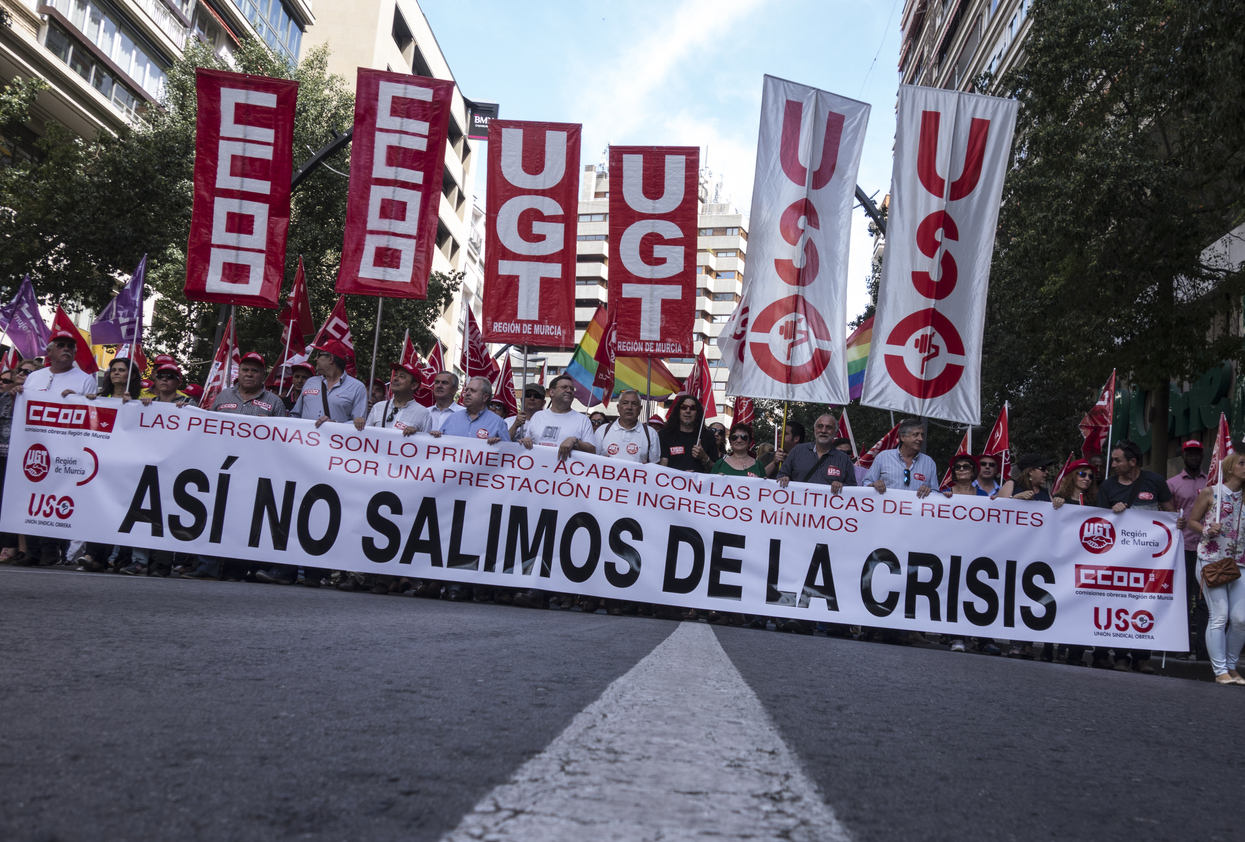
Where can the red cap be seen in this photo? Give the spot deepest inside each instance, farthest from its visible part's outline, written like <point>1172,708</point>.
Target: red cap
<point>254,357</point>
<point>1192,444</point>
<point>409,369</point>
<point>162,359</point>
<point>61,333</point>
<point>194,390</point>
<point>656,421</point>
<point>173,367</point>
<point>1079,465</point>
<point>335,347</point>
<point>311,369</point>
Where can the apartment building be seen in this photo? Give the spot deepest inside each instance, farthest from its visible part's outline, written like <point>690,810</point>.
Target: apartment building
<point>394,35</point>
<point>105,60</point>
<point>949,43</point>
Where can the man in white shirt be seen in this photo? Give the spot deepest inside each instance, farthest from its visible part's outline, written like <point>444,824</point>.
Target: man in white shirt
<point>625,437</point>
<point>444,389</point>
<point>559,426</point>
<point>400,412</point>
<point>60,376</point>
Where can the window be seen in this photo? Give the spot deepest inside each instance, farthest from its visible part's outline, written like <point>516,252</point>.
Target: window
<point>593,217</point>
<point>274,24</point>
<point>598,238</point>
<point>725,296</point>
<point>728,275</point>
<point>83,62</point>
<point>721,320</point>
<point>706,232</point>
<point>727,253</point>
<point>121,45</point>
<point>732,232</point>
<point>713,340</point>
<point>209,31</point>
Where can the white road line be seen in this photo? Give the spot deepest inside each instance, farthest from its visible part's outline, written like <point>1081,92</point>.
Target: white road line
<point>678,748</point>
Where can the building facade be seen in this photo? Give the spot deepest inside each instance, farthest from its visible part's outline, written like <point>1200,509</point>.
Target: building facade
<point>950,43</point>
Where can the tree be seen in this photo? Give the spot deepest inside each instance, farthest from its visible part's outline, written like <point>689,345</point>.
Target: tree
<point>1129,163</point>
<point>85,212</point>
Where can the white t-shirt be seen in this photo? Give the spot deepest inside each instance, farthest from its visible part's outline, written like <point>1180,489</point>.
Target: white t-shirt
<point>411,415</point>
<point>551,428</point>
<point>618,442</point>
<point>43,380</point>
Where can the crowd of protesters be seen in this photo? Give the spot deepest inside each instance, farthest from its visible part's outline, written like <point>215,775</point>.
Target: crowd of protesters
<point>1210,518</point>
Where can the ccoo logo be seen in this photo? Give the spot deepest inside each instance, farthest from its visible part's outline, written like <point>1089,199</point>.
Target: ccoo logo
<point>1097,535</point>
<point>37,463</point>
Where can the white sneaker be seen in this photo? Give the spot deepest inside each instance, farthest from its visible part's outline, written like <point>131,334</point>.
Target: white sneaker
<point>957,646</point>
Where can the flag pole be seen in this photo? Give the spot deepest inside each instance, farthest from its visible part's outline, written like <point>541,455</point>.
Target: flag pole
<point>648,390</point>
<point>233,330</point>
<point>523,388</point>
<point>380,303</point>
<point>784,429</point>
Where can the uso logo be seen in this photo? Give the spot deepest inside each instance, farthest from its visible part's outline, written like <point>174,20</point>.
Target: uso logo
<point>37,463</point>
<point>1097,535</point>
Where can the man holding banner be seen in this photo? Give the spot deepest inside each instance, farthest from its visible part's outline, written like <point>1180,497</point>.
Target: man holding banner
<point>332,395</point>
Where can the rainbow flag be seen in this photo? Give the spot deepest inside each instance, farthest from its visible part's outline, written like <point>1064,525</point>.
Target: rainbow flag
<point>629,372</point>
<point>858,357</point>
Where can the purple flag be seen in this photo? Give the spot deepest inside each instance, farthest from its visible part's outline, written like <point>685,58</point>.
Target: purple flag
<point>21,322</point>
<point>122,320</point>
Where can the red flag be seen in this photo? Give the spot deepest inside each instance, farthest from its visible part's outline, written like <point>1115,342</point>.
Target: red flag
<point>136,354</point>
<point>503,388</point>
<point>1063,472</point>
<point>297,327</point>
<point>890,441</point>
<point>10,360</point>
<point>1223,446</point>
<point>607,350</point>
<point>409,355</point>
<point>844,431</point>
<point>396,162</point>
<point>700,384</point>
<point>529,248</point>
<point>948,478</point>
<point>243,162</point>
<point>475,359</point>
<point>745,412</point>
<point>428,372</point>
<point>337,326</point>
<point>1096,425</point>
<point>544,369</point>
<point>652,248</point>
<point>999,444</point>
<point>218,377</point>
<point>83,357</point>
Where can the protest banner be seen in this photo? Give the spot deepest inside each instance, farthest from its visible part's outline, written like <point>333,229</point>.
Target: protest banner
<point>396,163</point>
<point>652,248</point>
<point>458,509</point>
<point>951,153</point>
<point>243,163</point>
<point>529,248</point>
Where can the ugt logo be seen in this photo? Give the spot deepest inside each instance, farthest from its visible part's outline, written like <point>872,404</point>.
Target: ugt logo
<point>1097,535</point>
<point>37,463</point>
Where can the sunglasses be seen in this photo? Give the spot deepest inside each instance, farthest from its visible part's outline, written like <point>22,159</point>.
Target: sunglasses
<point>1084,473</point>
<point>740,437</point>
<point>166,375</point>
<point>907,476</point>
<point>5,381</point>
<point>963,467</point>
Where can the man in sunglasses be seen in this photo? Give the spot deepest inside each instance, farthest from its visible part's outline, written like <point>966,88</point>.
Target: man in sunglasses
<point>819,462</point>
<point>248,396</point>
<point>906,466</point>
<point>61,376</point>
<point>400,411</point>
<point>988,474</point>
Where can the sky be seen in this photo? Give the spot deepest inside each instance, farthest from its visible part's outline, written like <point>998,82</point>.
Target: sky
<point>680,73</point>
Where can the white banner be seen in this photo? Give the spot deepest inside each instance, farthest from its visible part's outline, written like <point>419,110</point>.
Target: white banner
<point>456,509</point>
<point>786,339</point>
<point>951,152</point>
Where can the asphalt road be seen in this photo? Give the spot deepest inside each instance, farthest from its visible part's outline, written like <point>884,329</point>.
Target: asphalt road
<point>136,708</point>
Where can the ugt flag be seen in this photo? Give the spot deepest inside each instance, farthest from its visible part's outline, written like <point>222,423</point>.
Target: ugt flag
<point>121,321</point>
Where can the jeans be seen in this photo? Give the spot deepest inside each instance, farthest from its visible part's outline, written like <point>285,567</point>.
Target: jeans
<point>1225,633</point>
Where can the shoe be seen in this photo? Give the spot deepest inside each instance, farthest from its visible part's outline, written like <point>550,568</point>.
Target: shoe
<point>529,599</point>
<point>1101,664</point>
<point>1014,652</point>
<point>667,612</point>
<point>458,593</point>
<point>1122,666</point>
<point>991,649</point>
<point>614,611</point>
<point>6,555</point>
<point>957,646</point>
<point>589,605</point>
<point>1236,678</point>
<point>503,596</point>
<point>1224,679</point>
<point>759,623</point>
<point>1143,667</point>
<point>348,584</point>
<point>799,627</point>
<point>197,573</point>
<point>273,577</point>
<point>134,569</point>
<point>313,582</point>
<point>380,589</point>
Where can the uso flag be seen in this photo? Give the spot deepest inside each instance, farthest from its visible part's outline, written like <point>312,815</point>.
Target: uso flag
<point>786,339</point>
<point>529,252</point>
<point>244,138</point>
<point>400,124</point>
<point>652,232</point>
<point>951,152</point>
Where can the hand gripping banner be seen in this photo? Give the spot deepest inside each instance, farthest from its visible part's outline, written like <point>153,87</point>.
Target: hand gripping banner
<point>244,138</point>
<point>396,165</point>
<point>652,230</point>
<point>458,509</point>
<point>951,152</point>
<point>786,339</point>
<point>529,252</point>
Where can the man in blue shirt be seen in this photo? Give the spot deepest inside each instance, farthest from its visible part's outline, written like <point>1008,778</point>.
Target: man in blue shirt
<point>906,466</point>
<point>476,420</point>
<point>332,395</point>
